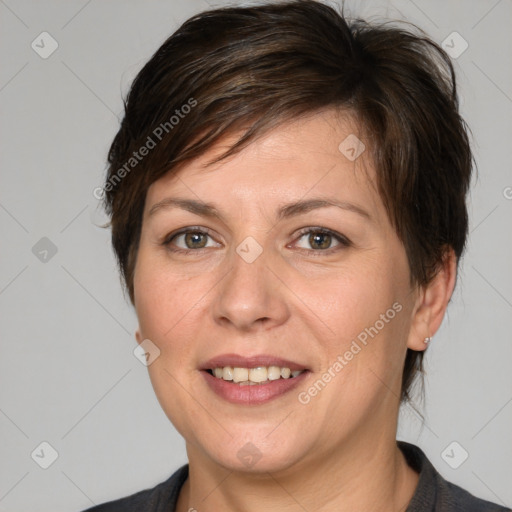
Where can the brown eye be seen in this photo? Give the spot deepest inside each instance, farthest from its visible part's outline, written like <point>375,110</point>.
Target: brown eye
<point>188,240</point>
<point>322,240</point>
<point>195,239</point>
<point>319,240</point>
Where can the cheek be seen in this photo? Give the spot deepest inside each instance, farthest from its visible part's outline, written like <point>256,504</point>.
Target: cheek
<point>366,325</point>
<point>166,309</point>
<point>350,300</point>
<point>163,299</point>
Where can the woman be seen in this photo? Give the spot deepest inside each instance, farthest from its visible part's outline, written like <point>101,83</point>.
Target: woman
<point>287,200</point>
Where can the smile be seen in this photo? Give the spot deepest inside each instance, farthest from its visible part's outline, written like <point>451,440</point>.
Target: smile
<point>252,380</point>
<point>253,376</point>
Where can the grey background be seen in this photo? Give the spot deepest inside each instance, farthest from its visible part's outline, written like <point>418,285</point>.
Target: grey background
<point>68,375</point>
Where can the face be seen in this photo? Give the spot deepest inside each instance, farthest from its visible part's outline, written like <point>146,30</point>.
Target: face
<point>260,282</point>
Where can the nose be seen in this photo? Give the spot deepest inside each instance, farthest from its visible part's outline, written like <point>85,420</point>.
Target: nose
<point>251,296</point>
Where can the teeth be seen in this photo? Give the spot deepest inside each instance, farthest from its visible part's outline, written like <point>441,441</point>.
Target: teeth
<point>227,373</point>
<point>274,373</point>
<point>258,374</point>
<point>240,374</point>
<point>251,376</point>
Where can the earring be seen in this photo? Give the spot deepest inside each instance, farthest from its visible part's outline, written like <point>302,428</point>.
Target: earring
<point>427,340</point>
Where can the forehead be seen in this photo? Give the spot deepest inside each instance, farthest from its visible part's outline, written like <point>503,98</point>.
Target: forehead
<point>321,153</point>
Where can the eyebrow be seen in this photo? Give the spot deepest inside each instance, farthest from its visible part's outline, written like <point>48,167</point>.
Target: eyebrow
<point>284,212</point>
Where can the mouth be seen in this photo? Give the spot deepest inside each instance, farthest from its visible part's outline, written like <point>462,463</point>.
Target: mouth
<point>253,376</point>
<point>252,380</point>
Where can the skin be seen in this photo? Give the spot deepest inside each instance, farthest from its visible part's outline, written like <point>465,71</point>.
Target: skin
<point>337,452</point>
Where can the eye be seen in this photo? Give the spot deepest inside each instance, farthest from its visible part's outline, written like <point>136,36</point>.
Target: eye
<point>320,240</point>
<point>192,238</point>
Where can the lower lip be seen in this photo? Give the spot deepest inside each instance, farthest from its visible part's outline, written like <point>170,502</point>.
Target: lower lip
<point>252,395</point>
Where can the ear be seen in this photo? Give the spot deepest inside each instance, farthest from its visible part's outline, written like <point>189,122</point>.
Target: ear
<point>432,302</point>
<point>138,336</point>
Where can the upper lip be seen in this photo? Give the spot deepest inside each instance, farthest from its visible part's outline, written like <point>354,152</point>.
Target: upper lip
<point>236,360</point>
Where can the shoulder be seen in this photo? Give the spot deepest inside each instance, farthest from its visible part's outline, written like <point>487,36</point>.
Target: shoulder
<point>162,497</point>
<point>457,499</point>
<point>435,494</point>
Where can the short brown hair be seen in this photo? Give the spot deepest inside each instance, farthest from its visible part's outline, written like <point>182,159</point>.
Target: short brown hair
<point>253,68</point>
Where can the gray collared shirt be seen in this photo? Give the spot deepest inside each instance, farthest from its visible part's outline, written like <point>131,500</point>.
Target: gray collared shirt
<point>433,493</point>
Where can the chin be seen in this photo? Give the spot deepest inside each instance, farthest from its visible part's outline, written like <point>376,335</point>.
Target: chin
<point>252,462</point>
<point>258,454</point>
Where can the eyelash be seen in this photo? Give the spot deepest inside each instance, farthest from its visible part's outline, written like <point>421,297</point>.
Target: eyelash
<point>343,241</point>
